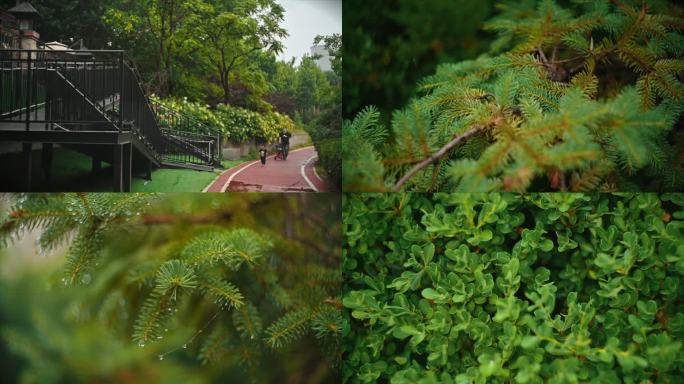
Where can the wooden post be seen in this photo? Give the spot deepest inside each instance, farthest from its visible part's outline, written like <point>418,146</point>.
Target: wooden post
<point>118,168</point>
<point>148,170</point>
<point>126,165</point>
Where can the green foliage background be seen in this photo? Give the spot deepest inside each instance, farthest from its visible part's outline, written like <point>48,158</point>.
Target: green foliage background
<point>171,288</point>
<point>499,288</point>
<point>390,45</point>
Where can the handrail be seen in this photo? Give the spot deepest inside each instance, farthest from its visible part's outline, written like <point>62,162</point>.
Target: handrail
<point>101,81</point>
<point>53,51</point>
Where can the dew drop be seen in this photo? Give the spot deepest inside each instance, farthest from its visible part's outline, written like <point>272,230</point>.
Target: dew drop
<point>141,345</point>
<point>166,329</point>
<point>252,337</point>
<point>185,346</point>
<point>161,357</point>
<point>159,337</point>
<point>86,279</point>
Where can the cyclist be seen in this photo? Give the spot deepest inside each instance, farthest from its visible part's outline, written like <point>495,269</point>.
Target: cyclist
<point>285,142</point>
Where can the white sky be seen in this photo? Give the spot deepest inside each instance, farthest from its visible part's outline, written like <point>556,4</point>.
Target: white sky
<point>304,19</point>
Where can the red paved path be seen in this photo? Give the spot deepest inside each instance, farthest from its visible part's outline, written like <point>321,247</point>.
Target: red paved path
<point>276,176</point>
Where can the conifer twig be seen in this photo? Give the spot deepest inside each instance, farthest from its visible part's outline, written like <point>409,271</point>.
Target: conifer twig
<point>437,155</point>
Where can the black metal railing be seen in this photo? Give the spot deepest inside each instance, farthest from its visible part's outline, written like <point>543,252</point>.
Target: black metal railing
<point>37,89</point>
<point>52,86</point>
<point>97,90</point>
<point>202,141</point>
<point>189,147</point>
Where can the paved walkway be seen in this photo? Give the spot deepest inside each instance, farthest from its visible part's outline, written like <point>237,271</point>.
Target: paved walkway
<point>296,174</point>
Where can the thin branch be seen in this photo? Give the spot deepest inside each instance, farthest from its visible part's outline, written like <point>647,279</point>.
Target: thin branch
<point>576,68</point>
<point>437,155</point>
<point>542,56</point>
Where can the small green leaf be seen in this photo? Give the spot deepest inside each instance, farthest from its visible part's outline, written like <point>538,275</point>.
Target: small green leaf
<point>529,341</point>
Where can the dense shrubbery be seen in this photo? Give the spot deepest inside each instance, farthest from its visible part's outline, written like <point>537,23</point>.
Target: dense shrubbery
<point>582,97</point>
<point>493,288</point>
<point>236,124</point>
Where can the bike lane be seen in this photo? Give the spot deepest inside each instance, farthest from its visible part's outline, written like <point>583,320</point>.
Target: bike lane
<point>296,174</point>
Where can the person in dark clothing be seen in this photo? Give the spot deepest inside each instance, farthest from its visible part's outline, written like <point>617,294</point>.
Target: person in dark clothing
<point>285,141</point>
<point>262,154</point>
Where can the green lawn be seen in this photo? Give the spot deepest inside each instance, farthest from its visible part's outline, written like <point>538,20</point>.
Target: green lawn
<point>72,172</point>
<point>174,180</point>
<point>227,164</point>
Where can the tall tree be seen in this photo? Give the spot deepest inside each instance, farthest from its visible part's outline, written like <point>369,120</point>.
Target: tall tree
<point>155,30</point>
<point>235,32</point>
<point>312,84</point>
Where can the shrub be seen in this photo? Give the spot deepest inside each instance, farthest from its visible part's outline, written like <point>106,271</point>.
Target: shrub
<point>493,288</point>
<point>575,98</point>
<point>330,157</point>
<point>325,132</point>
<point>235,123</point>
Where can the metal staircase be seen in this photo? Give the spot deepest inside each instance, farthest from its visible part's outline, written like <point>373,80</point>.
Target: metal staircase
<point>94,101</point>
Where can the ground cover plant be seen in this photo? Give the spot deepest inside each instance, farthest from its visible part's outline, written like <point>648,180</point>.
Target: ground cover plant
<point>499,288</point>
<point>583,96</point>
<point>220,287</point>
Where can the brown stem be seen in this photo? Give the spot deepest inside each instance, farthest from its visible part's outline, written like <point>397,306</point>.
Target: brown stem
<point>563,182</point>
<point>542,56</point>
<point>437,155</point>
<point>576,69</point>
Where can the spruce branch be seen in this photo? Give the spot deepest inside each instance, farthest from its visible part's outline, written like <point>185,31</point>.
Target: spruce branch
<point>288,328</point>
<point>186,265</point>
<point>437,155</point>
<point>247,321</point>
<point>225,294</point>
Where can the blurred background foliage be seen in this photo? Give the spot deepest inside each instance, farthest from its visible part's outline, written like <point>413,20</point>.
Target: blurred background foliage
<point>390,45</point>
<point>52,333</point>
